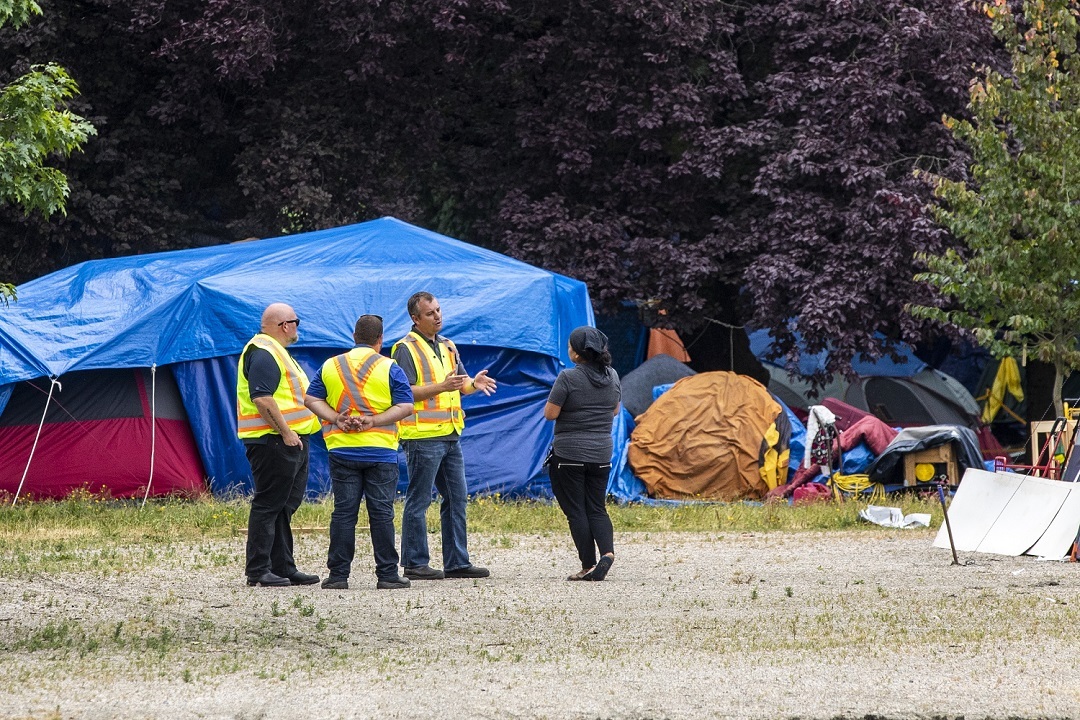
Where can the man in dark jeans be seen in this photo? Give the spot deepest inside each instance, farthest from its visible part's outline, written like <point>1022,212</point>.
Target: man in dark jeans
<point>274,426</point>
<point>432,448</point>
<point>362,395</point>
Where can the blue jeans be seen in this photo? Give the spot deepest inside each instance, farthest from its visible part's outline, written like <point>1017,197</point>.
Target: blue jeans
<point>435,463</point>
<point>378,483</point>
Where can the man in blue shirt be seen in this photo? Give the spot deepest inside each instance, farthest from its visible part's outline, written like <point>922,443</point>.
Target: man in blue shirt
<point>361,395</point>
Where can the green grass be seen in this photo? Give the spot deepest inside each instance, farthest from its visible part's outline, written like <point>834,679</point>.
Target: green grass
<point>108,536</point>
<point>58,527</point>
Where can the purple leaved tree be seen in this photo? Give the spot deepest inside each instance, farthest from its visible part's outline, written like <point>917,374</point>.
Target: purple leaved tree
<point>750,162</point>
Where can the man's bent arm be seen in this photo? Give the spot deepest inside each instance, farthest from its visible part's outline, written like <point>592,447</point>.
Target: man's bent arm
<point>271,413</point>
<point>321,408</point>
<point>391,415</point>
<point>451,383</point>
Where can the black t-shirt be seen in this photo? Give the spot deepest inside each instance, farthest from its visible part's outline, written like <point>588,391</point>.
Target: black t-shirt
<point>262,372</point>
<point>583,428</point>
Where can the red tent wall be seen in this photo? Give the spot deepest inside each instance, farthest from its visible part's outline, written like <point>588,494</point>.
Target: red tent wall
<point>97,437</point>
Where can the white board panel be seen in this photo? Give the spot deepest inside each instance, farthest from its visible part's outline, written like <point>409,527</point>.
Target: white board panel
<point>1026,517</point>
<point>1058,538</point>
<point>976,505</point>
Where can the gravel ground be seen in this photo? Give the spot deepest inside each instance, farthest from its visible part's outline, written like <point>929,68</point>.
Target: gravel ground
<point>775,625</point>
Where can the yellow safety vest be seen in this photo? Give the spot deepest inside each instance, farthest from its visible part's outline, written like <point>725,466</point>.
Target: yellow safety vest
<point>289,394</point>
<point>439,415</point>
<point>358,383</point>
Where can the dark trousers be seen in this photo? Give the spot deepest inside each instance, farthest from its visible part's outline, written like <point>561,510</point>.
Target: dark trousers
<point>377,483</point>
<point>581,489</point>
<point>281,475</point>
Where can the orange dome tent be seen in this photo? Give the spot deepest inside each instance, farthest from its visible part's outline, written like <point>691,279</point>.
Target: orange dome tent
<point>712,436</point>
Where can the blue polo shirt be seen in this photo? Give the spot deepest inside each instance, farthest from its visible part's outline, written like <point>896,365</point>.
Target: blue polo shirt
<point>400,392</point>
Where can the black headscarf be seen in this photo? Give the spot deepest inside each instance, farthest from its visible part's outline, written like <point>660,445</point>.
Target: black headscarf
<point>587,338</point>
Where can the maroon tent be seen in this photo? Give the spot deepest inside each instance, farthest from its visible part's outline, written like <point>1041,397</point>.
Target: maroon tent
<point>100,432</point>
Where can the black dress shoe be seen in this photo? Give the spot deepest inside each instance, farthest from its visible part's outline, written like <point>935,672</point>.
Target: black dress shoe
<point>268,580</point>
<point>423,572</point>
<point>299,578</point>
<point>335,584</point>
<point>469,571</point>
<point>393,583</point>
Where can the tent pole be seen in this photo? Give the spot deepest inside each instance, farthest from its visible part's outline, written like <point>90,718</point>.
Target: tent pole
<point>53,383</point>
<point>153,429</point>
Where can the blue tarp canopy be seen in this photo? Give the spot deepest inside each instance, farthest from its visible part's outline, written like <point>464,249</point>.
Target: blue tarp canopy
<point>761,343</point>
<point>195,309</point>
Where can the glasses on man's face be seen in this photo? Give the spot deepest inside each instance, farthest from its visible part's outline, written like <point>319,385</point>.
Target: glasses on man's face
<point>294,321</point>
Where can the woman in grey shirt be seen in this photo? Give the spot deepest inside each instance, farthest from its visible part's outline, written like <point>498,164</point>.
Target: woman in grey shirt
<point>582,403</point>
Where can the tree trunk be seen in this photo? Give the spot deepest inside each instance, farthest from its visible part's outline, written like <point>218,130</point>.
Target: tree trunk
<point>1059,379</point>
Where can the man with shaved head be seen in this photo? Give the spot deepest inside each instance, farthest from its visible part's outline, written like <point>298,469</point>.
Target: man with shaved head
<point>275,428</point>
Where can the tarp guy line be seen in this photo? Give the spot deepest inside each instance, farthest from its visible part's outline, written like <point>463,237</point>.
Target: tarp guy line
<point>153,429</point>
<point>54,383</point>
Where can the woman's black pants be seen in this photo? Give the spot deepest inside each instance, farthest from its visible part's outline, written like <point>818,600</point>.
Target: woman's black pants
<point>581,489</point>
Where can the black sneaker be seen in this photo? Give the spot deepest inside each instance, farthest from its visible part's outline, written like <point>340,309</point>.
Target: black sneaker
<point>394,583</point>
<point>423,572</point>
<point>469,571</point>
<point>335,584</point>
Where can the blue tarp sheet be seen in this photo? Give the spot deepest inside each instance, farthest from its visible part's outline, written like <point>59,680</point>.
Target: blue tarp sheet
<point>195,310</point>
<point>623,485</point>
<point>797,444</point>
<point>761,343</point>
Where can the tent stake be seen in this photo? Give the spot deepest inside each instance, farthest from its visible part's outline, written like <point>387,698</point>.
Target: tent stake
<point>948,527</point>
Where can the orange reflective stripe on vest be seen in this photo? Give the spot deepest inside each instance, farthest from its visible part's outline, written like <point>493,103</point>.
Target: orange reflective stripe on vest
<point>353,382</point>
<point>289,394</point>
<point>441,414</point>
<point>358,383</point>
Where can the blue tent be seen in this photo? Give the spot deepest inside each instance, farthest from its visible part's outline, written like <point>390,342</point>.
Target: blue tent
<point>194,310</point>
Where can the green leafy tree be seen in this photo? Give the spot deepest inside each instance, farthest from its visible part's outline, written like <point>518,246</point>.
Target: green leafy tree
<point>34,126</point>
<point>1015,283</point>
<point>17,12</point>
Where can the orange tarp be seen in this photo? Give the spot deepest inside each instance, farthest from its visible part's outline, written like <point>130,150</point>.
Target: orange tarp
<point>712,436</point>
<point>667,342</point>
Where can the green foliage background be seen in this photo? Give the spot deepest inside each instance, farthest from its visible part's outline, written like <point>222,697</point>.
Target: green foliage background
<point>1014,282</point>
<point>34,126</point>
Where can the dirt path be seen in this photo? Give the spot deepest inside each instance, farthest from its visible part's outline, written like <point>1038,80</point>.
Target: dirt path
<point>777,625</point>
